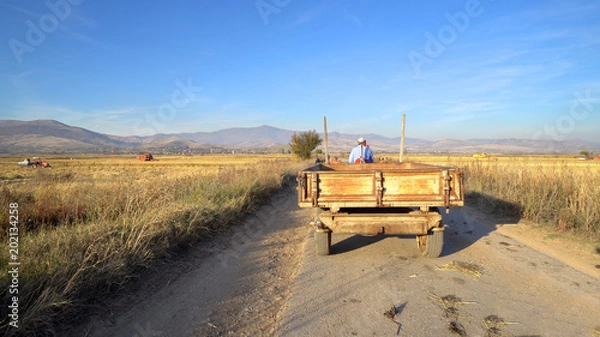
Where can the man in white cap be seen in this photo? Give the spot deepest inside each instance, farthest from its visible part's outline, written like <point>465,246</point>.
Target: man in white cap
<point>361,153</point>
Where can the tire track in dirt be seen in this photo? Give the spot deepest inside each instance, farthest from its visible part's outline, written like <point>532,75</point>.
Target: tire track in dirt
<point>349,293</point>
<point>236,283</point>
<point>263,278</point>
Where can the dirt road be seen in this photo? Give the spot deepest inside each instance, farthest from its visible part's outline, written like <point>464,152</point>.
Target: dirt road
<point>264,279</point>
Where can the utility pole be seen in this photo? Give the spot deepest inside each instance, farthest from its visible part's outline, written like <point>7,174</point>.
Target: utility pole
<point>326,139</point>
<point>402,138</point>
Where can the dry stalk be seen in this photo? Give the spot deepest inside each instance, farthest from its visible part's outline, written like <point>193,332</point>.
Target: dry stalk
<point>496,322</point>
<point>391,314</point>
<point>470,269</point>
<point>457,328</point>
<point>450,303</point>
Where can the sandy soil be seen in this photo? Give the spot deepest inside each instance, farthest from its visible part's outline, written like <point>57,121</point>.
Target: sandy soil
<point>264,279</point>
<point>349,292</point>
<point>233,285</point>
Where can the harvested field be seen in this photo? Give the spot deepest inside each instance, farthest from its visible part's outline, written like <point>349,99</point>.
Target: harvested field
<point>99,222</point>
<point>102,222</point>
<point>557,191</point>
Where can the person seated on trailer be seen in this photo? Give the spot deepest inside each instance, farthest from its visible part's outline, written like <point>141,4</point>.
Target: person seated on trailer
<point>361,153</point>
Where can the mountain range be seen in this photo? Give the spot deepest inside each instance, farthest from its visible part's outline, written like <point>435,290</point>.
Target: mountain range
<point>53,137</point>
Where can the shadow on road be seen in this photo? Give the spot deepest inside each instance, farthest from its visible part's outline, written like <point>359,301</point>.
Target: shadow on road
<point>461,230</point>
<point>488,204</point>
<point>355,242</point>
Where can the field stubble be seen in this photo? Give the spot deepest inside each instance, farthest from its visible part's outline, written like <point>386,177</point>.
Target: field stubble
<point>89,226</point>
<point>559,192</point>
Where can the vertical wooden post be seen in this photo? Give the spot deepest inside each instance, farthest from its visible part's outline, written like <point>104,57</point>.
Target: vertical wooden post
<point>402,138</point>
<point>326,139</point>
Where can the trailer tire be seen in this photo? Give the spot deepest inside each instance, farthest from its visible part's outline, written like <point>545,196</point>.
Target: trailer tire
<point>323,240</point>
<point>432,243</point>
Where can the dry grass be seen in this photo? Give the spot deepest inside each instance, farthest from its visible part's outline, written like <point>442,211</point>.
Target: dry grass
<point>450,303</point>
<point>469,269</point>
<point>98,222</point>
<point>496,322</point>
<point>561,192</point>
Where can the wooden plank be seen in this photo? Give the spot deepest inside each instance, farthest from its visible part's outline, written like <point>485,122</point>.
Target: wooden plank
<point>414,223</point>
<point>399,184</point>
<point>346,185</point>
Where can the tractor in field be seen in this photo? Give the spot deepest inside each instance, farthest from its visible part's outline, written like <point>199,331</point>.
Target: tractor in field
<point>146,157</point>
<point>33,163</point>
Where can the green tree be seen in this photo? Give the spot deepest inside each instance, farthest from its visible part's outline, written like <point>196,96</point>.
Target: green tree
<point>584,153</point>
<point>304,143</point>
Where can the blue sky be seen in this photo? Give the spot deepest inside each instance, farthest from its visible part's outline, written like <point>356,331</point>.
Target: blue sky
<point>458,68</point>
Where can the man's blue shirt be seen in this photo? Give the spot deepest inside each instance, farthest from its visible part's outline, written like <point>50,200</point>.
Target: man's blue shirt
<point>367,154</point>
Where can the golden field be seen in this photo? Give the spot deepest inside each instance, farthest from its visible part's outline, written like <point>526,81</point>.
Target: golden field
<point>89,225</point>
<point>96,222</point>
<point>558,191</point>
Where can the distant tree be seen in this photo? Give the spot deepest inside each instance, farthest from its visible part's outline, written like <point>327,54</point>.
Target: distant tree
<point>584,153</point>
<point>304,143</point>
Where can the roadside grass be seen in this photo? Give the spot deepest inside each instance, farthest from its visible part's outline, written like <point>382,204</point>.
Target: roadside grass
<point>88,227</point>
<point>555,191</point>
<point>562,196</point>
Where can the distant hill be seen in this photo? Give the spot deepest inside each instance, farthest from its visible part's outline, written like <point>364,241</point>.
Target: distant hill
<point>516,146</point>
<point>53,137</point>
<point>257,137</point>
<point>43,136</point>
<point>50,136</point>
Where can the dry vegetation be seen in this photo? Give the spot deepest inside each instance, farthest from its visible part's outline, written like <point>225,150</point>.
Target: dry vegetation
<point>88,226</point>
<point>561,192</point>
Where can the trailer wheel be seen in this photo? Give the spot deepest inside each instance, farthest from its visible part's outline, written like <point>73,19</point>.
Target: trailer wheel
<point>323,239</point>
<point>431,244</point>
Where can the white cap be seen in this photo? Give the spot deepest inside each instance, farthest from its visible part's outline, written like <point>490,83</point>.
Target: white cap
<point>361,139</point>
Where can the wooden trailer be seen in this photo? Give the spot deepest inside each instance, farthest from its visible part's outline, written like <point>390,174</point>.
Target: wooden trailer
<point>385,198</point>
